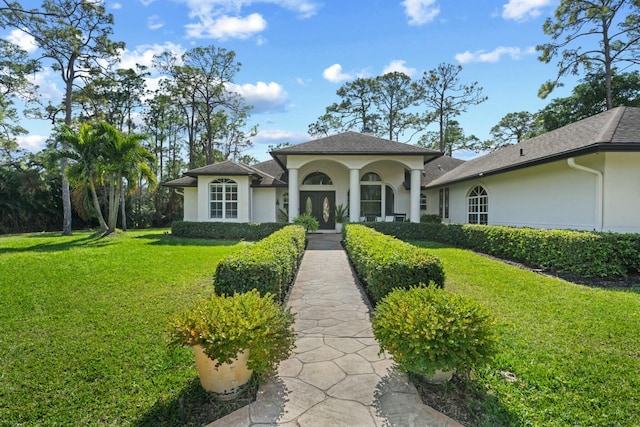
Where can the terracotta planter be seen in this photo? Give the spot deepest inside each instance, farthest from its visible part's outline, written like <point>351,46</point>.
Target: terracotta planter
<point>228,379</point>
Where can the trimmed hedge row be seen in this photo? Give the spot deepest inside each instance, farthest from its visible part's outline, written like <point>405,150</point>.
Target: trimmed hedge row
<point>384,263</point>
<point>252,231</point>
<point>584,253</point>
<point>268,265</point>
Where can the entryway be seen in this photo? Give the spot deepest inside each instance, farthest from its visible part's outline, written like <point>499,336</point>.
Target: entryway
<point>321,205</point>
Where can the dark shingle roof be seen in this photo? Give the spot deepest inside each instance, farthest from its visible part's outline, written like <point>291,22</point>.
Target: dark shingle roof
<point>616,129</point>
<point>185,181</point>
<point>278,176</point>
<point>353,143</point>
<point>227,167</point>
<point>438,167</point>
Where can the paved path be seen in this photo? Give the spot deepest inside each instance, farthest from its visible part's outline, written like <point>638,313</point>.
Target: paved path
<point>335,376</point>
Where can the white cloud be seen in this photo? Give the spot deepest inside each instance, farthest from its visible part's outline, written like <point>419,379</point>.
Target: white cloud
<point>116,6</point>
<point>276,136</point>
<point>494,56</point>
<point>226,27</point>
<point>154,22</point>
<point>421,11</point>
<point>223,19</point>
<point>398,65</point>
<point>335,75</point>
<point>47,88</point>
<point>520,10</point>
<point>262,96</point>
<point>32,143</point>
<point>22,40</point>
<point>146,2</point>
<point>144,54</point>
<point>302,82</point>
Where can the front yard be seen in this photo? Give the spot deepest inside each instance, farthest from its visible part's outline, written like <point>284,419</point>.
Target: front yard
<point>569,354</point>
<point>82,328</point>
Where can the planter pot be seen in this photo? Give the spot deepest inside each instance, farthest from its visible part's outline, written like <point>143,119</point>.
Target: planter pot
<point>439,377</point>
<point>228,379</point>
<point>339,227</point>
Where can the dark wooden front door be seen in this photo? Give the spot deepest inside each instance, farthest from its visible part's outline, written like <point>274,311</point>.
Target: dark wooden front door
<point>321,205</point>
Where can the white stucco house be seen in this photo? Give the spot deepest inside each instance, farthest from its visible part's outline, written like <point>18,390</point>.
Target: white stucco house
<point>583,176</point>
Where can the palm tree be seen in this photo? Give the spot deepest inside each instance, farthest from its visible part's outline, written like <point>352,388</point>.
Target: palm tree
<point>126,158</point>
<point>85,149</point>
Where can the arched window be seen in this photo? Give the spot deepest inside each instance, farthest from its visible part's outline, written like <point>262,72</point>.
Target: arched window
<point>317,178</point>
<point>371,176</point>
<point>478,206</point>
<point>423,202</point>
<point>223,199</point>
<point>376,198</point>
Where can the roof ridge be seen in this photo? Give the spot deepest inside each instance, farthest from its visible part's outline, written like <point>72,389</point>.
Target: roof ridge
<point>607,133</point>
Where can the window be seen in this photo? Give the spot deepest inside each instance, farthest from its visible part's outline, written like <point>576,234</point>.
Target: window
<point>285,202</point>
<point>317,178</point>
<point>446,203</point>
<point>423,202</point>
<point>223,199</point>
<point>443,203</point>
<point>478,206</point>
<point>371,194</point>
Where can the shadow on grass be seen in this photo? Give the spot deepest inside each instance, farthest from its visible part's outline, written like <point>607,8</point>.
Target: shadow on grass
<point>94,240</point>
<point>195,407</point>
<point>169,240</point>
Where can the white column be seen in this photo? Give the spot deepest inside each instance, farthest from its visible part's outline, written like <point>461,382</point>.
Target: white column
<point>354,195</point>
<point>294,195</point>
<point>415,195</point>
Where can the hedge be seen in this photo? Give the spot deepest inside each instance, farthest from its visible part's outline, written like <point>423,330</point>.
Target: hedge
<point>584,253</point>
<point>252,231</point>
<point>384,263</point>
<point>269,265</point>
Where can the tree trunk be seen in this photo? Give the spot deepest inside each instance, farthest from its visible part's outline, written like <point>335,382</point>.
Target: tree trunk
<point>114,199</point>
<point>66,201</point>
<point>96,206</point>
<point>123,209</point>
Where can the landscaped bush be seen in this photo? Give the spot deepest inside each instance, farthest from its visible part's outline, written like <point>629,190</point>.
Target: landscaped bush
<point>430,218</point>
<point>584,253</point>
<point>268,265</point>
<point>428,329</point>
<point>252,231</point>
<point>384,263</point>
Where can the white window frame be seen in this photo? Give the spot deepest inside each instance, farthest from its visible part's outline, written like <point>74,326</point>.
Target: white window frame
<point>478,206</point>
<point>223,199</point>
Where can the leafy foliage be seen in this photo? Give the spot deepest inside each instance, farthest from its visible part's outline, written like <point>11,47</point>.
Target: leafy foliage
<point>226,325</point>
<point>308,221</point>
<point>584,253</point>
<point>252,231</point>
<point>268,265</point>
<point>426,328</point>
<point>384,263</point>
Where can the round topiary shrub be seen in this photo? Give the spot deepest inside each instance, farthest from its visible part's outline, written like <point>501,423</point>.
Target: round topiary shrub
<point>426,329</point>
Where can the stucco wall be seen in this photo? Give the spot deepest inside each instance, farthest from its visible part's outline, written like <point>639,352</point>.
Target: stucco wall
<point>263,205</point>
<point>622,192</point>
<point>546,196</point>
<point>190,204</point>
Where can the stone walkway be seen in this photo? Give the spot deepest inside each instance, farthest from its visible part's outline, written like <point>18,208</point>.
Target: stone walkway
<point>335,376</point>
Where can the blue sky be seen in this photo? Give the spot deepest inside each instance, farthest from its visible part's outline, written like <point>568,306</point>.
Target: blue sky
<point>295,54</point>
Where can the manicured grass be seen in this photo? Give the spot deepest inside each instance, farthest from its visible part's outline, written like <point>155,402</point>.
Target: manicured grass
<point>82,327</point>
<point>573,351</point>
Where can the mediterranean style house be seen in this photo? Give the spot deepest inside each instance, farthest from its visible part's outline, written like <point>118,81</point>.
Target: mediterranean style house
<point>583,176</point>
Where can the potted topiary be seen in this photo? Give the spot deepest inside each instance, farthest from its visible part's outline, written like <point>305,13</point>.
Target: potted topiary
<point>340,216</point>
<point>234,336</point>
<point>432,332</point>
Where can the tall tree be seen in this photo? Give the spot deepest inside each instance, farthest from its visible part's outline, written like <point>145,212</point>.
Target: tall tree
<point>610,27</point>
<point>74,36</point>
<point>511,129</point>
<point>443,92</point>
<point>382,106</point>
<point>589,98</point>
<point>454,139</point>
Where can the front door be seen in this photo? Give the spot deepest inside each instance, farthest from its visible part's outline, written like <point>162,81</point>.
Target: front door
<point>321,205</point>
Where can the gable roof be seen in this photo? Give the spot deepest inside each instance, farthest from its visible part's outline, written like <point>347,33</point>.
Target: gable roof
<point>437,168</point>
<point>259,173</point>
<point>353,143</point>
<point>617,129</point>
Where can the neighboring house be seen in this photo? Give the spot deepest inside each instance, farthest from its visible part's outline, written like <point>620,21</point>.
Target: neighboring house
<point>583,176</point>
<point>376,178</point>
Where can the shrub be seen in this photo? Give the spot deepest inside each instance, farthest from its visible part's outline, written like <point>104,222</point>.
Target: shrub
<point>252,231</point>
<point>584,253</point>
<point>268,265</point>
<point>384,263</point>
<point>428,328</point>
<point>430,218</point>
<point>227,325</point>
<point>307,221</point>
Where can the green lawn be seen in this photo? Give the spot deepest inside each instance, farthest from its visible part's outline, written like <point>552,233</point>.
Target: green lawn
<point>574,350</point>
<point>82,327</point>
